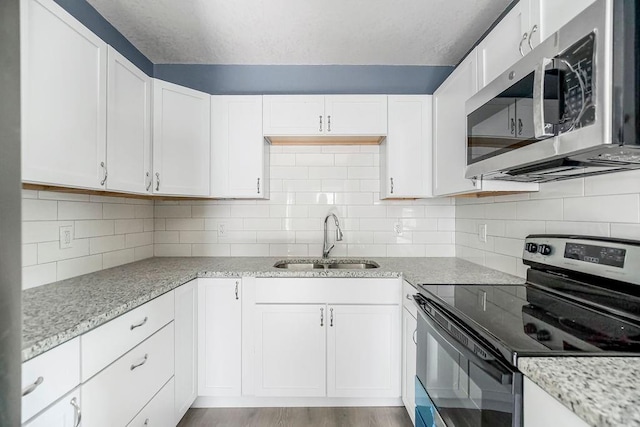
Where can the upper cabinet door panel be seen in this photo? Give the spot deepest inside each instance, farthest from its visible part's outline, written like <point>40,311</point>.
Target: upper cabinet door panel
<point>551,15</point>
<point>450,129</point>
<point>293,115</point>
<point>237,147</point>
<point>356,114</point>
<point>64,84</point>
<point>501,47</point>
<point>128,126</point>
<point>181,145</point>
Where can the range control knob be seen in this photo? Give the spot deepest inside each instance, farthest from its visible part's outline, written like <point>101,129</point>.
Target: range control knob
<point>544,249</point>
<point>532,248</point>
<point>543,335</point>
<point>530,328</point>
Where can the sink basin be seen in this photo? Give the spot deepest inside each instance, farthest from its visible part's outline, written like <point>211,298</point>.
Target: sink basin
<point>339,264</point>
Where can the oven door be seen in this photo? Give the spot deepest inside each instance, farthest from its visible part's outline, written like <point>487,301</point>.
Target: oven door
<point>457,386</point>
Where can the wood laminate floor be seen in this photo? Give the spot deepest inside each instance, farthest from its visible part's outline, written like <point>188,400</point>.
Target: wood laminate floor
<point>294,417</point>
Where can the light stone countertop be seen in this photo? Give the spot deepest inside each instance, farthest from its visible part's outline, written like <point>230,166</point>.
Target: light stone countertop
<point>60,311</point>
<point>603,391</point>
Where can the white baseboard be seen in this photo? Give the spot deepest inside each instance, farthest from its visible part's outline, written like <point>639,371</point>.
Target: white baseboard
<point>289,402</point>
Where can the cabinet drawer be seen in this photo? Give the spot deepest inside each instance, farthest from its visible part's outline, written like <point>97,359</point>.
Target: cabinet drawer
<point>328,291</point>
<point>118,393</point>
<point>408,292</point>
<point>64,413</point>
<point>123,333</point>
<point>159,411</point>
<point>49,376</point>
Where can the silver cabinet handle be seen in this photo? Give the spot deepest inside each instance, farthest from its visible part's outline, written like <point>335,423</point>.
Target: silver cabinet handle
<point>237,284</point>
<point>146,422</point>
<point>320,123</point>
<point>525,36</point>
<point>137,325</point>
<point>106,174</point>
<point>258,185</point>
<point>157,181</point>
<point>409,297</point>
<point>520,126</point>
<point>391,185</point>
<point>328,123</point>
<point>415,336</point>
<point>331,317</point>
<point>137,365</point>
<point>533,30</point>
<point>322,317</point>
<point>31,387</point>
<point>148,177</point>
<point>513,126</point>
<point>77,414</point>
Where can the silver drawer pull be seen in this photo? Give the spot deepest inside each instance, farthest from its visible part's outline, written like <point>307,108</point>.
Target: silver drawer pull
<point>146,422</point>
<point>415,339</point>
<point>409,297</point>
<point>137,365</point>
<point>31,387</point>
<point>137,325</point>
<point>77,414</point>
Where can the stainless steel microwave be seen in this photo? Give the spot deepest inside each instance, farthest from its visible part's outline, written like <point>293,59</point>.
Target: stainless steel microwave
<point>567,109</point>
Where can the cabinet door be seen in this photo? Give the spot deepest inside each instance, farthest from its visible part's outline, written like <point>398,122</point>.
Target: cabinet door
<point>237,147</point>
<point>64,83</point>
<point>293,115</point>
<point>356,114</point>
<point>551,15</point>
<point>363,351</point>
<point>500,49</point>
<point>186,348</point>
<point>405,161</point>
<point>542,410</point>
<point>450,129</point>
<point>220,337</point>
<point>181,153</point>
<point>128,126</point>
<point>290,345</point>
<point>409,350</point>
<point>63,413</point>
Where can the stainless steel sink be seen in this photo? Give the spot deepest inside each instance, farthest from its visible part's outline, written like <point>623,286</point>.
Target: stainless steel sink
<point>340,264</point>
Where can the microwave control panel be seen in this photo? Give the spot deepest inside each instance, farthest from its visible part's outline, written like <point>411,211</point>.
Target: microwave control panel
<point>577,80</point>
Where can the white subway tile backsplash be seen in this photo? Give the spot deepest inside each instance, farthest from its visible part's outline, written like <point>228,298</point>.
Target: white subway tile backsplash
<point>166,237</point>
<point>37,275</point>
<point>521,229</point>
<point>327,172</point>
<point>625,231</point>
<point>238,237</point>
<point>500,211</point>
<point>287,250</point>
<point>143,211</point>
<point>198,237</point>
<point>621,183</point>
<point>78,266</point>
<point>249,250</point>
<point>366,250</point>
<point>259,211</point>
<point>29,254</point>
<point>118,211</point>
<point>210,211</point>
<point>98,245</point>
<point>585,228</point>
<point>79,210</point>
<point>363,172</point>
<point>171,211</point>
<point>360,159</point>
<point>50,251</point>
<point>93,228</point>
<point>406,250</point>
<point>133,240</point>
<point>616,208</point>
<point>143,252</point>
<point>182,249</point>
<point>116,258</point>
<point>184,224</point>
<point>440,251</point>
<point>314,159</point>
<point>39,210</point>
<point>276,236</point>
<point>42,231</point>
<point>550,209</point>
<point>124,226</point>
<point>433,237</point>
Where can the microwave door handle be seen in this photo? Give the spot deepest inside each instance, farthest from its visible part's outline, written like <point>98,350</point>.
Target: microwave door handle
<point>503,376</point>
<point>538,100</point>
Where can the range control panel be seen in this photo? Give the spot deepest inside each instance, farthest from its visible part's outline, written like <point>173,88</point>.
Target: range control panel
<point>610,258</point>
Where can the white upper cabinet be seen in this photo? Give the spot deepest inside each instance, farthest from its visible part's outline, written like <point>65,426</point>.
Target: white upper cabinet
<point>505,44</point>
<point>550,15</point>
<point>64,88</point>
<point>319,115</point>
<point>239,153</point>
<point>356,114</point>
<point>405,155</point>
<point>128,126</point>
<point>181,140</point>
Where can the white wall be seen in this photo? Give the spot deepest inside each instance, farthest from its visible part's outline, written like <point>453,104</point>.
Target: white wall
<point>606,205</point>
<point>306,183</point>
<point>108,231</point>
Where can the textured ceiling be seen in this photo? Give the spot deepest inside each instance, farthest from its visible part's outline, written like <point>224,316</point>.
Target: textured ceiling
<point>314,32</point>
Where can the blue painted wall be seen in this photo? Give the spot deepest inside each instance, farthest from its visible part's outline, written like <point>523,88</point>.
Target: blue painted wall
<point>267,79</point>
<point>304,79</point>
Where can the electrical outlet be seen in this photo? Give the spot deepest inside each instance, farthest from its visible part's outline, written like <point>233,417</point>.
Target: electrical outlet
<point>222,229</point>
<point>397,227</point>
<point>482,232</point>
<point>66,236</point>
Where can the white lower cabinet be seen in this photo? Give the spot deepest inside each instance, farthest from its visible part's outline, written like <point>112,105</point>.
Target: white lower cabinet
<point>543,410</point>
<point>116,395</point>
<point>159,411</point>
<point>363,351</point>
<point>219,337</point>
<point>186,348</point>
<point>66,412</point>
<point>290,350</point>
<point>409,353</point>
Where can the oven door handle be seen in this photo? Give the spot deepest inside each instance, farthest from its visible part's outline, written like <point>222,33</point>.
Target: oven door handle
<point>504,376</point>
<point>539,124</point>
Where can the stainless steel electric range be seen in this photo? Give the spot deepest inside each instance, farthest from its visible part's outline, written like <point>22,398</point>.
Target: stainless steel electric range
<point>581,297</point>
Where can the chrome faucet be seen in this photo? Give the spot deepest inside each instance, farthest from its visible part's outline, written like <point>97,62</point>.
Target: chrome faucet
<point>326,249</point>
